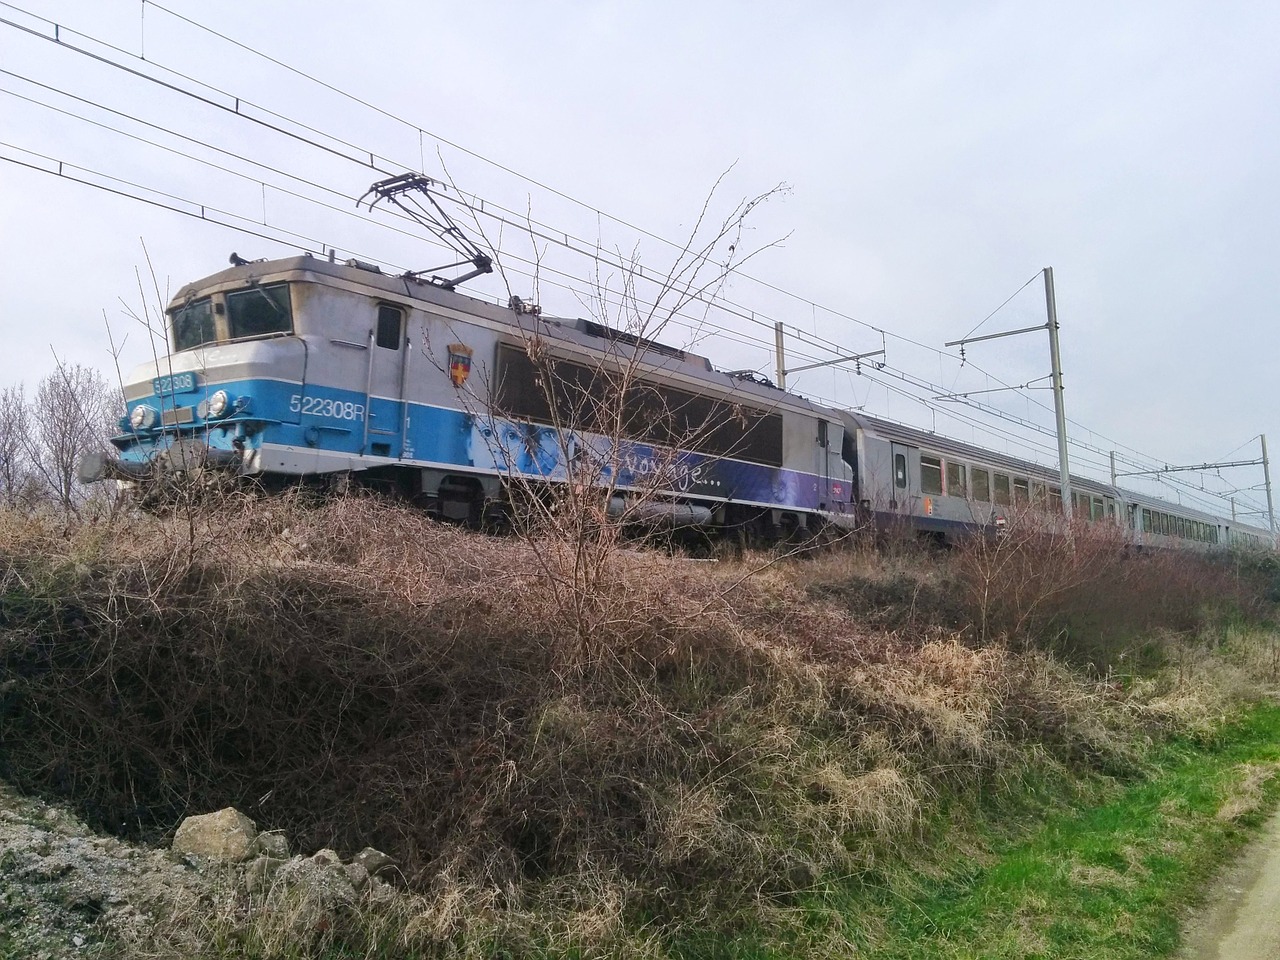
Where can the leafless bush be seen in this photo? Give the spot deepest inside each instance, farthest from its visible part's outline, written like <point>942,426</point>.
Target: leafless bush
<point>70,415</point>
<point>44,436</point>
<point>1084,590</point>
<point>603,449</point>
<point>16,481</point>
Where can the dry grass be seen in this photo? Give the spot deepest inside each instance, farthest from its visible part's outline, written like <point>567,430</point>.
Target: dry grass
<point>355,674</point>
<point>1246,796</point>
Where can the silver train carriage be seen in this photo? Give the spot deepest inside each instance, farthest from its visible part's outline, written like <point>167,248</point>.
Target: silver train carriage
<point>304,367</point>
<point>944,488</point>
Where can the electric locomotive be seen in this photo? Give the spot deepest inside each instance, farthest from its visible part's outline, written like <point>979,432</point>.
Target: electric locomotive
<point>309,368</point>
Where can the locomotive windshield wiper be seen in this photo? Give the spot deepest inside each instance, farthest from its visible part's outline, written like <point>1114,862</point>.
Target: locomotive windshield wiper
<point>254,285</point>
<point>395,189</point>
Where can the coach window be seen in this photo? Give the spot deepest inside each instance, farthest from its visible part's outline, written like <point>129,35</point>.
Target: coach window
<point>930,474</point>
<point>193,325</point>
<point>1002,488</point>
<point>259,311</point>
<point>1038,494</point>
<point>981,485</point>
<point>956,486</point>
<point>900,470</point>
<point>1055,499</point>
<point>1081,506</point>
<point>1021,490</point>
<point>389,320</point>
<point>1098,511</point>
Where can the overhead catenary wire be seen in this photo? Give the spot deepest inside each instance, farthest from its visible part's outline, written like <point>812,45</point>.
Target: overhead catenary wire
<point>903,375</point>
<point>917,400</point>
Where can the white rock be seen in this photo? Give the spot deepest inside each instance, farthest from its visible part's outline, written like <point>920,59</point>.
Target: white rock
<point>225,835</point>
<point>326,858</point>
<point>373,860</point>
<point>358,876</point>
<point>272,843</point>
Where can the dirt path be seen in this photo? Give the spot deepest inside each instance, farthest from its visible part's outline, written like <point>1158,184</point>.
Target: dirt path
<point>1241,919</point>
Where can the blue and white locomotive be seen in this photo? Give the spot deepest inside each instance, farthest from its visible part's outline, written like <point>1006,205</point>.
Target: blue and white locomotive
<point>309,368</point>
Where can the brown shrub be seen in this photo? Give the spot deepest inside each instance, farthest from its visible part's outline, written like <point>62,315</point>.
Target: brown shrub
<point>1082,589</point>
<point>356,674</point>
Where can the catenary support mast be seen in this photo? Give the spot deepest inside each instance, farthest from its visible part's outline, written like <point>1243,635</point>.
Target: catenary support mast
<point>1059,406</point>
<point>1266,477</point>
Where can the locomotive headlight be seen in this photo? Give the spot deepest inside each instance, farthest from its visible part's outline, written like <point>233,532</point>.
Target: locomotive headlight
<point>142,417</point>
<point>218,403</point>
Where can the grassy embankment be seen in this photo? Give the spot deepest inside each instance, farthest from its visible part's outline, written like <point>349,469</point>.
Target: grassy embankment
<point>581,752</point>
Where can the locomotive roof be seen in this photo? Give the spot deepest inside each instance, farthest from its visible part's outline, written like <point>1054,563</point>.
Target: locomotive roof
<point>587,335</point>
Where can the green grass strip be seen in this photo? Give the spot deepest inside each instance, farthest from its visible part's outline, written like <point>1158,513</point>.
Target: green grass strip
<point>1101,881</point>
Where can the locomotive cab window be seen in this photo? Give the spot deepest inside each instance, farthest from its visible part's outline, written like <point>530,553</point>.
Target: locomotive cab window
<point>930,474</point>
<point>193,325</point>
<point>389,321</point>
<point>260,311</point>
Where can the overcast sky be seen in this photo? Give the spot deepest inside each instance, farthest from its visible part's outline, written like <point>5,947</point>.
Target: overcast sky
<point>936,156</point>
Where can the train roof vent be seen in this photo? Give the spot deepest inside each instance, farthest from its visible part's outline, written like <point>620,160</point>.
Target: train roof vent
<point>621,336</point>
<point>362,265</point>
<point>751,376</point>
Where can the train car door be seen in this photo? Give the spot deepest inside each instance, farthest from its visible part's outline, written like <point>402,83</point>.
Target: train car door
<point>386,410</point>
<point>903,490</point>
<point>837,482</point>
<point>824,466</point>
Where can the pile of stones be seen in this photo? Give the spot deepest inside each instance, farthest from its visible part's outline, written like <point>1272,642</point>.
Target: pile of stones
<point>266,868</point>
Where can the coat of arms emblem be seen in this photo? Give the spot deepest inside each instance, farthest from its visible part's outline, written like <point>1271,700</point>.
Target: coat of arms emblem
<point>459,363</point>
